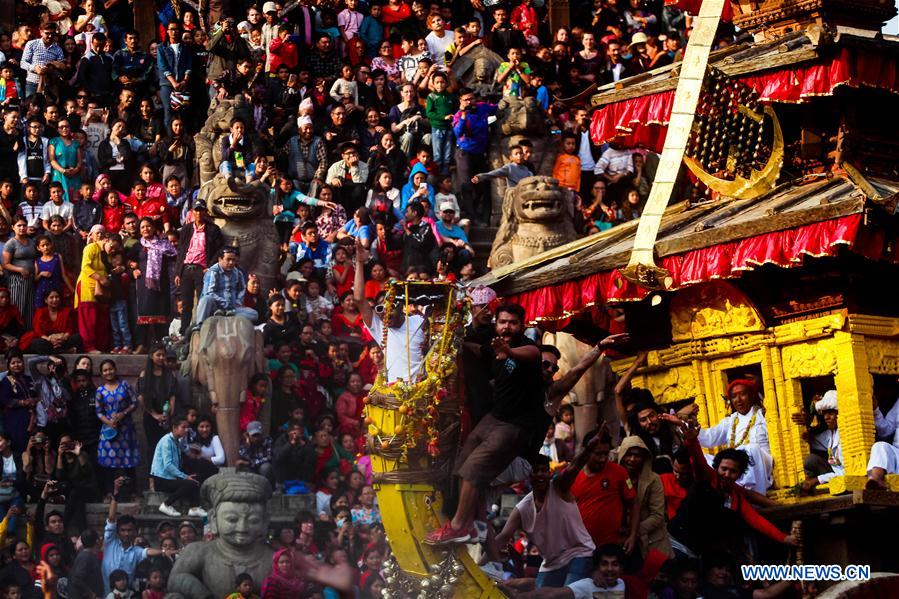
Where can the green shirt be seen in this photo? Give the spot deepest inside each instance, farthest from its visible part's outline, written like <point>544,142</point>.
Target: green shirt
<point>438,107</point>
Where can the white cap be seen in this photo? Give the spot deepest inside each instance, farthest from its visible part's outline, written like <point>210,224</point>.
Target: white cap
<point>828,402</point>
<point>304,120</point>
<point>269,7</point>
<point>638,38</point>
<point>444,206</point>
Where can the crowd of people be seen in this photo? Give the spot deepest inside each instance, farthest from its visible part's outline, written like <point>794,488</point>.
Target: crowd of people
<point>374,155</point>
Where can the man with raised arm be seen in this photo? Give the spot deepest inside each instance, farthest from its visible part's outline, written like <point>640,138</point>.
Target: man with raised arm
<point>405,336</point>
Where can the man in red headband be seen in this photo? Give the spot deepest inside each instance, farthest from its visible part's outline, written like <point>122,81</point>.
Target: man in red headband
<point>745,428</point>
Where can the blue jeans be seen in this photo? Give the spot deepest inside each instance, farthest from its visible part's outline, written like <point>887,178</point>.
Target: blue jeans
<point>442,146</point>
<point>577,569</point>
<point>165,96</point>
<point>30,89</point>
<point>206,307</point>
<point>118,316</point>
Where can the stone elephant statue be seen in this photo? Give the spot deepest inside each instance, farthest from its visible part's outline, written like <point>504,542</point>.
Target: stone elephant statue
<point>224,354</point>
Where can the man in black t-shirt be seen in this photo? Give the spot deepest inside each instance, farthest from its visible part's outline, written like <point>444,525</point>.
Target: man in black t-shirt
<point>478,392</point>
<point>526,395</point>
<point>518,396</point>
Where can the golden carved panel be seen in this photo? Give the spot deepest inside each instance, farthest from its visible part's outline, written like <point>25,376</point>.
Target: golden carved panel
<point>673,384</point>
<point>712,309</point>
<point>883,356</point>
<point>808,360</point>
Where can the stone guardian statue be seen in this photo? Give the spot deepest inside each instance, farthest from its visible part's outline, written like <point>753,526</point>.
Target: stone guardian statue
<point>239,520</point>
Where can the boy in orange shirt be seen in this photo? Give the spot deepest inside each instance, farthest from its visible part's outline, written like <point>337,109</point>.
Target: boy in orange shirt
<point>567,168</point>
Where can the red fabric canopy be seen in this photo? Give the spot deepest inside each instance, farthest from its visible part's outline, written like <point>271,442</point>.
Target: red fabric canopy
<point>727,260</point>
<point>643,121</point>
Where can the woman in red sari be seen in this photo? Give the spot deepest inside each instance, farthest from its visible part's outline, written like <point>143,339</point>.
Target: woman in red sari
<point>346,321</point>
<point>55,329</point>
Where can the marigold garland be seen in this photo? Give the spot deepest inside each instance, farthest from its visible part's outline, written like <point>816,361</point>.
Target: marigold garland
<point>418,403</point>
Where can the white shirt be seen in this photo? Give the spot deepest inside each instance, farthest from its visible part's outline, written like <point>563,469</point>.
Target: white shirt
<point>585,153</point>
<point>437,46</point>
<point>401,364</point>
<point>720,434</point>
<point>214,451</point>
<point>50,209</point>
<point>586,589</point>
<point>9,467</point>
<point>829,441</point>
<point>886,426</point>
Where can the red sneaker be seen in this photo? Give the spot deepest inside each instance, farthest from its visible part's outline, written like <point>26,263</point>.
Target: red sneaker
<point>446,535</point>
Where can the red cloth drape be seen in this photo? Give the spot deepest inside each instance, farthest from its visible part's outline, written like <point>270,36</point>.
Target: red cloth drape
<point>785,248</point>
<point>643,121</point>
<point>692,7</point>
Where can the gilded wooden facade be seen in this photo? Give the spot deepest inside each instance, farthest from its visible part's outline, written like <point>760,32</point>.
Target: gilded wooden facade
<point>716,329</point>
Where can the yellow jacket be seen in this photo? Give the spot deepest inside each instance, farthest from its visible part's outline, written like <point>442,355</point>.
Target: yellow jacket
<point>29,531</point>
<point>91,263</point>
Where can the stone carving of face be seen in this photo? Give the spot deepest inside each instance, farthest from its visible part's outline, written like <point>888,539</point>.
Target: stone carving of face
<point>240,524</point>
<point>483,71</point>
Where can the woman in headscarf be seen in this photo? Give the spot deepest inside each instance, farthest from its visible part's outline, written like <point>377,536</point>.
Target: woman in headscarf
<point>52,556</point>
<point>93,289</point>
<point>11,323</point>
<point>283,582</point>
<point>102,185</point>
<point>153,263</point>
<point>652,533</point>
<point>745,428</point>
<point>417,188</point>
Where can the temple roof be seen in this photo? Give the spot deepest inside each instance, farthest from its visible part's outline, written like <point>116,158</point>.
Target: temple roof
<point>750,57</point>
<point>687,228</point>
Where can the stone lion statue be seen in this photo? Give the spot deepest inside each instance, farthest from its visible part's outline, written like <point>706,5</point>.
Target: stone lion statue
<point>537,215</point>
<point>244,213</point>
<point>517,119</point>
<point>218,123</point>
